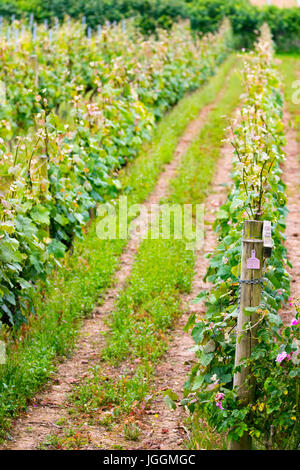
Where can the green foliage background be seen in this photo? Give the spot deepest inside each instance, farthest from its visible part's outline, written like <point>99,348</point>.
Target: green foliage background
<point>204,15</point>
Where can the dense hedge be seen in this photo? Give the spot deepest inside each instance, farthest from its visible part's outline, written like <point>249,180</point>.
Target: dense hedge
<point>151,13</point>
<point>205,15</point>
<point>246,19</point>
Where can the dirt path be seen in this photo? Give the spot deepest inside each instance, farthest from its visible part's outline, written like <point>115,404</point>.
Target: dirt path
<point>51,405</point>
<point>291,177</point>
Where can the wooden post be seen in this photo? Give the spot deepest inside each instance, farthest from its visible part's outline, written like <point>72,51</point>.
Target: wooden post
<point>251,269</point>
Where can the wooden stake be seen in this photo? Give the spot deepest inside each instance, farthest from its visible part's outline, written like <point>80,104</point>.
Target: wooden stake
<point>251,269</point>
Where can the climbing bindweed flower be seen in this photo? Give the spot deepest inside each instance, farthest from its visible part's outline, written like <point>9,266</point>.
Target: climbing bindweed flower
<point>282,356</point>
<point>219,397</point>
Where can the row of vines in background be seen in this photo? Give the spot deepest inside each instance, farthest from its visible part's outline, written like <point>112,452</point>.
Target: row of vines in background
<point>204,15</point>
<point>257,193</point>
<point>72,113</point>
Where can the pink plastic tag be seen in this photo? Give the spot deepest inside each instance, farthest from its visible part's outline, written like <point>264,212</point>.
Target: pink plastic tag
<point>253,262</point>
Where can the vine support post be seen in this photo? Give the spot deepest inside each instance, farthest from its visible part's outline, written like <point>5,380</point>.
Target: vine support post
<point>250,296</point>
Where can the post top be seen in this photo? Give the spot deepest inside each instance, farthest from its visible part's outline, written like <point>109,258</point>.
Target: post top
<point>253,229</point>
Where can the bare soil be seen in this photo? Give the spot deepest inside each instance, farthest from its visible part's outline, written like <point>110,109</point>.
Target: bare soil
<point>291,177</point>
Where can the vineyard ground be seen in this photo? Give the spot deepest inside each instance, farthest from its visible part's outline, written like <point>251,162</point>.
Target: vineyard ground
<point>56,418</point>
<point>208,95</point>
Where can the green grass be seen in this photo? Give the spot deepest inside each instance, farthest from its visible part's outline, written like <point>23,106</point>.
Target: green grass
<point>114,396</point>
<point>73,438</point>
<point>140,326</point>
<point>198,165</point>
<point>202,436</point>
<point>148,307</point>
<point>75,287</point>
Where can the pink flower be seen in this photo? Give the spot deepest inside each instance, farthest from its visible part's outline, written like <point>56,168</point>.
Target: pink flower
<point>295,322</point>
<point>282,356</point>
<point>220,396</point>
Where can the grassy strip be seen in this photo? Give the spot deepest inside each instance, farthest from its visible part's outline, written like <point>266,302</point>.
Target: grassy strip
<point>148,307</point>
<point>198,165</point>
<point>140,329</point>
<point>75,287</point>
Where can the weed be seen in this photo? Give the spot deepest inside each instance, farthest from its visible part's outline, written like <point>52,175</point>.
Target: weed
<point>131,431</point>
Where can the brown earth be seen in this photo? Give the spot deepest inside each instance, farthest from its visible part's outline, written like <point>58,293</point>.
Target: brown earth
<point>291,177</point>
